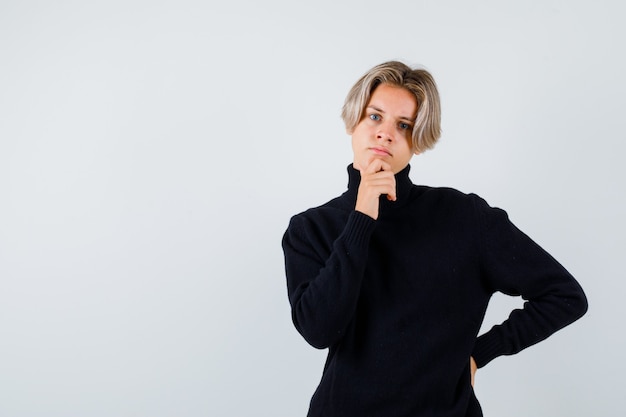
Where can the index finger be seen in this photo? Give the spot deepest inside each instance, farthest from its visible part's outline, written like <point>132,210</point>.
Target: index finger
<point>377,165</point>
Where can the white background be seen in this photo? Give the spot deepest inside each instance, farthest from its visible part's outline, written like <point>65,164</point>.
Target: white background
<point>152,153</point>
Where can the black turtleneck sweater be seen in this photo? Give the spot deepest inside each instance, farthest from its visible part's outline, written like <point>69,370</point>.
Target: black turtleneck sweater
<point>399,301</point>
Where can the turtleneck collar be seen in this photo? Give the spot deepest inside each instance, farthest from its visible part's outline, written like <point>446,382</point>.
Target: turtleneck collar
<point>403,188</point>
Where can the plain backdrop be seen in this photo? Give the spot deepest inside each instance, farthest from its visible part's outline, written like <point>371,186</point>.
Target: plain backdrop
<point>152,153</point>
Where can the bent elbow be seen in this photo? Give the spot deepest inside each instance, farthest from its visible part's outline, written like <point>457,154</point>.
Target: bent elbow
<point>318,343</point>
<point>317,332</point>
<point>313,335</point>
<point>576,305</point>
<point>580,305</point>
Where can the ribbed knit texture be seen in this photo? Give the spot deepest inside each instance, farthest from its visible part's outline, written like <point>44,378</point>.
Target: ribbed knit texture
<point>399,301</point>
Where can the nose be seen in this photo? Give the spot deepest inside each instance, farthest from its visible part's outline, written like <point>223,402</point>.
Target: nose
<point>384,132</point>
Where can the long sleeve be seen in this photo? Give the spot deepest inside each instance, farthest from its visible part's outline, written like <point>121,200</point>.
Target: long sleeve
<point>515,265</point>
<point>399,300</point>
<point>324,274</point>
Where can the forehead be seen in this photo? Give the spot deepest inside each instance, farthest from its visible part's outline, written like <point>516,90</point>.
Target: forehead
<point>394,99</point>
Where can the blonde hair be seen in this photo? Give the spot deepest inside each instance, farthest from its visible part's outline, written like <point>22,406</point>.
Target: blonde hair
<point>419,82</point>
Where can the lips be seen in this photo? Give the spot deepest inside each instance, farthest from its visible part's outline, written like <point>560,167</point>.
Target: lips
<point>378,150</point>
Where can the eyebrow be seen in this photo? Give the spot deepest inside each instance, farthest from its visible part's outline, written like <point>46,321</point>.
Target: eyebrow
<point>408,119</point>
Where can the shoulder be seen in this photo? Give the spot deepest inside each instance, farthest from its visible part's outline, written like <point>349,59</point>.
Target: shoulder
<point>316,229</point>
<point>451,205</point>
<point>444,196</point>
<point>320,217</point>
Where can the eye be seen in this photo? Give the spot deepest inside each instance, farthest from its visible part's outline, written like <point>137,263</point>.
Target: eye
<point>375,117</point>
<point>404,126</point>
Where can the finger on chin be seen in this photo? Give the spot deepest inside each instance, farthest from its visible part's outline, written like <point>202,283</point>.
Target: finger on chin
<point>377,164</point>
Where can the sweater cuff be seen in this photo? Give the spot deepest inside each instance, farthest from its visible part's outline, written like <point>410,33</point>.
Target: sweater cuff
<point>488,347</point>
<point>358,229</point>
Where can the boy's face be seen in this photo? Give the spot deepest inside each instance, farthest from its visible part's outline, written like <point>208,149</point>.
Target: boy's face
<point>384,132</point>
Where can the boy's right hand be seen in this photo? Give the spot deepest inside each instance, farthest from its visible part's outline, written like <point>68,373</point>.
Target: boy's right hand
<point>376,179</point>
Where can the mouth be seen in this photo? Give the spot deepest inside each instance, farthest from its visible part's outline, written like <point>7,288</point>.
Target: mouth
<point>380,151</point>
